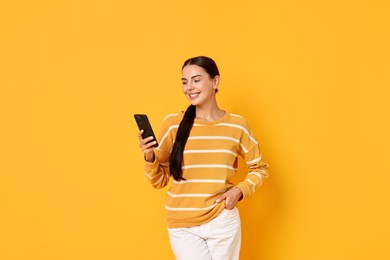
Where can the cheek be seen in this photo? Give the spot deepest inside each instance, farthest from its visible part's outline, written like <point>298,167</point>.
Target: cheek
<point>206,88</point>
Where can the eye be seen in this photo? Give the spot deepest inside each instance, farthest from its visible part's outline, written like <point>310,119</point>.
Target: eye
<point>197,80</point>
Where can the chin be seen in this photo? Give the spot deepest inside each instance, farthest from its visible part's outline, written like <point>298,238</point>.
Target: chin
<point>194,102</point>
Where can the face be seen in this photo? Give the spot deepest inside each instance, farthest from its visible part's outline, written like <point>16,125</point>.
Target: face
<point>198,87</point>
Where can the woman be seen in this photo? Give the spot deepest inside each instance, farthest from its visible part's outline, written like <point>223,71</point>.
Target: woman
<point>199,149</point>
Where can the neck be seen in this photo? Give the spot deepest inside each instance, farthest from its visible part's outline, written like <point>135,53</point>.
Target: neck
<point>210,112</point>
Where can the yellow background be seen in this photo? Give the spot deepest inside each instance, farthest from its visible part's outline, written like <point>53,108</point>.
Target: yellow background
<point>311,77</point>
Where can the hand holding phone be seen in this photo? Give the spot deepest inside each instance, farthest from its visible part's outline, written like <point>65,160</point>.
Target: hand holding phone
<point>144,124</point>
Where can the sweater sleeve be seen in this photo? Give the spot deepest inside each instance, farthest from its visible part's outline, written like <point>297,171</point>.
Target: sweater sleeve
<point>257,171</point>
<point>157,172</point>
<point>257,168</point>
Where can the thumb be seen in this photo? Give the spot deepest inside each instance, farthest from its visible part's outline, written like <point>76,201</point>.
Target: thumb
<point>223,197</point>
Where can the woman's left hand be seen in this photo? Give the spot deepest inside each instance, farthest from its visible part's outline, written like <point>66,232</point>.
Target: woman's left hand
<point>231,197</point>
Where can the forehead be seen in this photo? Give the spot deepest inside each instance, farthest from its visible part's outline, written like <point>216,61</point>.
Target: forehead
<point>192,70</point>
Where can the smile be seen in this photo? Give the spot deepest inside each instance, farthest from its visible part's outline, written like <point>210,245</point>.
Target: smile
<point>193,95</point>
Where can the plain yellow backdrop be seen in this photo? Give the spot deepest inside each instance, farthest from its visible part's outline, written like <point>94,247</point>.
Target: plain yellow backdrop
<point>311,77</point>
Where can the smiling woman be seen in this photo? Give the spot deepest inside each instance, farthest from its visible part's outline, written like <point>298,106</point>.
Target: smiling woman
<point>199,86</point>
<point>199,150</point>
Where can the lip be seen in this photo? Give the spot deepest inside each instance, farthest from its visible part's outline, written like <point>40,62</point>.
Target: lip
<point>193,95</point>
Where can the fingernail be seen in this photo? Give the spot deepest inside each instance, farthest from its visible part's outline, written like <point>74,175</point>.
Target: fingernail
<point>217,200</point>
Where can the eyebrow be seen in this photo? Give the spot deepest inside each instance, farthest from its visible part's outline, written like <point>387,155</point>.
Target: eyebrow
<point>198,75</point>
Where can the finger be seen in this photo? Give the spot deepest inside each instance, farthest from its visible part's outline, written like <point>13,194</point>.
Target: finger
<point>146,140</point>
<point>228,204</point>
<point>223,197</point>
<point>230,200</point>
<point>140,134</point>
<point>229,207</point>
<point>149,145</point>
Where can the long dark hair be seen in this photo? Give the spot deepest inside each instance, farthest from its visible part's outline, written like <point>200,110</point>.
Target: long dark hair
<point>186,123</point>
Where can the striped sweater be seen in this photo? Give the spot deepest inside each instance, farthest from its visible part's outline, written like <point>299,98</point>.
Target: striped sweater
<point>209,162</point>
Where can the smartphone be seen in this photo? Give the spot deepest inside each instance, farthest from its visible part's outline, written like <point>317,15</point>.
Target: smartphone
<point>143,123</point>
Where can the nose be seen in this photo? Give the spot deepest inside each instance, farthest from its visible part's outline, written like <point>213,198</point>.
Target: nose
<point>190,86</point>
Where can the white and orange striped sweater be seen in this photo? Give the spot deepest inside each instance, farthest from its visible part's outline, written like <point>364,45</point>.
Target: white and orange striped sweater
<point>209,162</point>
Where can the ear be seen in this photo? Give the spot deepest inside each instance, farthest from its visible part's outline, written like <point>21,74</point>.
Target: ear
<point>216,80</point>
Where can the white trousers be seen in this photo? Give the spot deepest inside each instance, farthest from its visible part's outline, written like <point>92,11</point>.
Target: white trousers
<point>218,239</point>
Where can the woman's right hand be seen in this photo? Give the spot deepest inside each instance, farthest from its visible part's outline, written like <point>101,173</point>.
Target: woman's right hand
<point>147,148</point>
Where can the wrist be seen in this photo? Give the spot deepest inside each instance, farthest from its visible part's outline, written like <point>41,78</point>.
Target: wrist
<point>239,192</point>
<point>149,159</point>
